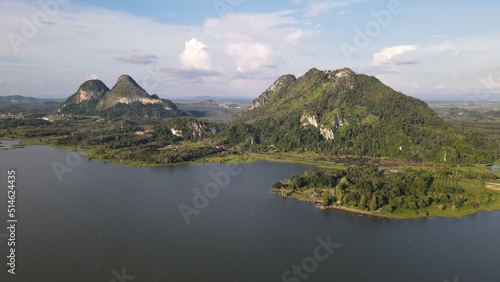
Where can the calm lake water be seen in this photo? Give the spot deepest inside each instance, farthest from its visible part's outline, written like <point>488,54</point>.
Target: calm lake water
<point>108,222</point>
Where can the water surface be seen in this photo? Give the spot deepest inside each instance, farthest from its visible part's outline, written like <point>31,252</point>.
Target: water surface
<point>103,218</point>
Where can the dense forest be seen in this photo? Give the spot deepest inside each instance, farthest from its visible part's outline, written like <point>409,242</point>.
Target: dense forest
<point>371,189</point>
<point>136,109</point>
<point>126,140</point>
<point>343,113</point>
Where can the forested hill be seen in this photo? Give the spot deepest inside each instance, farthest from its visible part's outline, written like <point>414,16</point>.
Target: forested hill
<point>125,99</point>
<point>344,113</point>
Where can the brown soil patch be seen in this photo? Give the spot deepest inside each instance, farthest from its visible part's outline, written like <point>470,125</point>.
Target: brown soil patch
<point>493,186</point>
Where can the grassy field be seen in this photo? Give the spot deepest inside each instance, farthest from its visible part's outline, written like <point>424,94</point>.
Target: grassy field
<point>253,157</point>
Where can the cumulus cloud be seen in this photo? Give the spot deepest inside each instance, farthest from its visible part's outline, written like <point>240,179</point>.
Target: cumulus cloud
<point>112,50</point>
<point>264,43</point>
<point>196,55</point>
<point>251,56</point>
<point>260,41</point>
<point>396,55</point>
<point>137,57</point>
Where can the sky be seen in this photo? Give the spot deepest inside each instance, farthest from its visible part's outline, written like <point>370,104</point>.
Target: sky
<point>433,50</point>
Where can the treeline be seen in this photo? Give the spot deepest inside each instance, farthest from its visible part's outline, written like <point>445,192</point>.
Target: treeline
<point>125,140</point>
<point>405,141</point>
<point>28,128</point>
<point>148,155</point>
<point>135,109</point>
<point>139,109</point>
<point>11,123</point>
<point>370,189</point>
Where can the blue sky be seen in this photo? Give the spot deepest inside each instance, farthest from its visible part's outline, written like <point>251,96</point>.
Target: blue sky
<point>427,49</point>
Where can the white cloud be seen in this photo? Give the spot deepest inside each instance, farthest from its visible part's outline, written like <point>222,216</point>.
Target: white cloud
<point>196,55</point>
<point>240,27</point>
<point>489,85</point>
<point>317,9</point>
<point>136,57</point>
<point>295,36</point>
<point>76,45</point>
<point>442,47</point>
<point>250,56</point>
<point>268,44</point>
<point>396,55</point>
<point>263,42</point>
<point>413,54</point>
<point>274,28</point>
<point>243,50</point>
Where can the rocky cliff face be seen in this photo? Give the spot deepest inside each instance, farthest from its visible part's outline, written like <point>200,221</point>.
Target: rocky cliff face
<point>88,91</point>
<point>127,91</point>
<point>326,130</point>
<point>191,128</point>
<point>281,84</point>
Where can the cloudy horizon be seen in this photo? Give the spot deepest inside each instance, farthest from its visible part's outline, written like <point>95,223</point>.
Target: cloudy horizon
<point>237,48</point>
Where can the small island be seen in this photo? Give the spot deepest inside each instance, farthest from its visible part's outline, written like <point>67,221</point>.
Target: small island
<point>407,193</point>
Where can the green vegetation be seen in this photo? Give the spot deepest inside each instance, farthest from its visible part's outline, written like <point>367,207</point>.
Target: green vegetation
<point>407,193</point>
<point>343,113</point>
<point>214,111</point>
<point>483,116</point>
<point>133,141</point>
<point>385,153</point>
<point>125,99</point>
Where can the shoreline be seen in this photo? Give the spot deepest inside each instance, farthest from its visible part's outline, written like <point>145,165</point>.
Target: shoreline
<point>414,214</point>
<point>244,158</point>
<point>254,157</point>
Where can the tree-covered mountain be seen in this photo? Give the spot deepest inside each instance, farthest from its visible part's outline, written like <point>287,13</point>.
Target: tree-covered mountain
<point>126,98</point>
<point>341,112</point>
<point>84,101</point>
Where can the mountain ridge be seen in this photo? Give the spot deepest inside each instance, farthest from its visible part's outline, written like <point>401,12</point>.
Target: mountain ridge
<point>125,98</point>
<point>343,113</point>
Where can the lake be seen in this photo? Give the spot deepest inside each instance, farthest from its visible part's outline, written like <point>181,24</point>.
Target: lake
<point>85,220</point>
